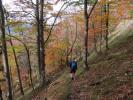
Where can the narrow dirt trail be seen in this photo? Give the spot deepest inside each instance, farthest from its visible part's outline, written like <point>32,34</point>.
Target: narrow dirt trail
<point>76,94</point>
<point>74,91</point>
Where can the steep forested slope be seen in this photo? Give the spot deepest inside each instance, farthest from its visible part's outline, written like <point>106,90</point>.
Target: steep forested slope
<point>110,76</point>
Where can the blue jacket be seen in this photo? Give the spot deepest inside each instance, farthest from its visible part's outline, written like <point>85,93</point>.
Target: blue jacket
<point>73,65</point>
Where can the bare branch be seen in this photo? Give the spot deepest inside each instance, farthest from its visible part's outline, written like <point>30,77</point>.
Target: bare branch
<point>92,9</point>
<point>54,22</point>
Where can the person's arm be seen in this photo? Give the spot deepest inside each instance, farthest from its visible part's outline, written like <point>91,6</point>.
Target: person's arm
<point>76,65</point>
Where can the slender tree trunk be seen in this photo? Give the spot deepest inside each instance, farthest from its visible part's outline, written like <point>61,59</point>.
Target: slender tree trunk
<point>86,35</point>
<point>95,41</point>
<point>11,81</point>
<point>76,31</point>
<point>30,69</point>
<point>67,50</point>
<point>101,32</point>
<point>38,38</point>
<point>42,50</point>
<point>95,44</point>
<point>10,97</point>
<point>29,62</point>
<point>16,62</point>
<point>73,43</point>
<point>107,24</point>
<point>71,50</point>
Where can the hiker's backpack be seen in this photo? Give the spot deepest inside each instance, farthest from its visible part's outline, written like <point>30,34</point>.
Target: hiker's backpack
<point>74,65</point>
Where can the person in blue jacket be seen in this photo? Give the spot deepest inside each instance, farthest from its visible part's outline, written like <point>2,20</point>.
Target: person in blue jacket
<point>73,68</point>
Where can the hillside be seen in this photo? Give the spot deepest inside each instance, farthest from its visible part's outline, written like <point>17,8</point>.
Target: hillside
<point>42,42</point>
<point>110,76</point>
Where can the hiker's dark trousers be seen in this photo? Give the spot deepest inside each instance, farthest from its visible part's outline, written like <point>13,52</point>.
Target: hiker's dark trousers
<point>1,97</point>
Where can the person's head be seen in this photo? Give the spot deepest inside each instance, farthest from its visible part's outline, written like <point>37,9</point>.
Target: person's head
<point>74,59</point>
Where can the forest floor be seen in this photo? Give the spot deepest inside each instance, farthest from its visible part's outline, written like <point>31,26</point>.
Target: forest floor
<point>110,76</point>
<point>58,89</point>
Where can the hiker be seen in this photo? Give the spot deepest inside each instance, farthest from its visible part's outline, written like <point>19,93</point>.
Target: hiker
<point>73,68</point>
<point>1,98</point>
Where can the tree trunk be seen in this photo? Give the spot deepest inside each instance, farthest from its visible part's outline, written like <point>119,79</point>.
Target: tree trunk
<point>86,35</point>
<point>101,36</point>
<point>107,24</point>
<point>38,38</point>
<point>11,81</point>
<point>29,62</point>
<point>94,39</point>
<point>10,97</point>
<point>42,50</point>
<point>69,53</point>
<point>30,69</point>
